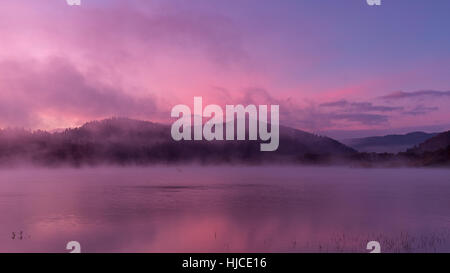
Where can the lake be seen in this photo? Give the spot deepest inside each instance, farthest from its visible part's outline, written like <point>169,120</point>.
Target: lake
<point>225,209</point>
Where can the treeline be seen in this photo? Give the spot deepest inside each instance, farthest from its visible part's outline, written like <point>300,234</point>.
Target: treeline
<point>121,141</point>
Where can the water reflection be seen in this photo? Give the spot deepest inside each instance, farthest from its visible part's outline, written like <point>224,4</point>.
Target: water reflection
<point>225,209</point>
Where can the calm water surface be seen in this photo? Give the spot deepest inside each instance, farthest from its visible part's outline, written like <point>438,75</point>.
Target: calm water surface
<point>224,209</point>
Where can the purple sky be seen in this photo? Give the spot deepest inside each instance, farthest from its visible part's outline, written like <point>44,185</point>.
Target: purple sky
<point>337,67</point>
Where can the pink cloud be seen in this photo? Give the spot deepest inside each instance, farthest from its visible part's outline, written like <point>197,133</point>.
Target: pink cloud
<point>61,66</point>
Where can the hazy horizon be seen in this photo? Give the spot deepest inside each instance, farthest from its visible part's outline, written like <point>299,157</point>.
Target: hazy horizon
<point>339,135</point>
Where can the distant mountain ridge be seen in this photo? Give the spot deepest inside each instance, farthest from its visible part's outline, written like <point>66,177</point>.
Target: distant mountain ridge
<point>438,142</point>
<point>122,141</point>
<point>388,143</point>
<point>128,141</point>
<point>433,152</point>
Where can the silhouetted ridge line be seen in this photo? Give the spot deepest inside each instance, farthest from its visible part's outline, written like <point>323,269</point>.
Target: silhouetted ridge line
<point>123,141</point>
<point>388,143</point>
<point>128,141</point>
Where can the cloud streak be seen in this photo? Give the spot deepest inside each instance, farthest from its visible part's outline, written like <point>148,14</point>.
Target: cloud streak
<point>422,93</point>
<point>421,110</point>
<point>359,106</point>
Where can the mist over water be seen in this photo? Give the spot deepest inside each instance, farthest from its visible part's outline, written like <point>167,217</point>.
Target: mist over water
<point>224,209</point>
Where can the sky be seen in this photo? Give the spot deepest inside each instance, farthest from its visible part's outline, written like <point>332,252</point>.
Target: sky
<point>339,68</point>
